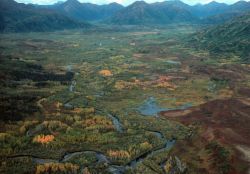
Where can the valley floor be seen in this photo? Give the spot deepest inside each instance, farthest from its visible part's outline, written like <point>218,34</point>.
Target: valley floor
<point>121,101</point>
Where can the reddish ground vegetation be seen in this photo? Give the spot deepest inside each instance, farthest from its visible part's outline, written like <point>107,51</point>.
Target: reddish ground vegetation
<point>224,121</point>
<point>233,74</point>
<point>228,120</point>
<point>244,92</point>
<point>160,81</point>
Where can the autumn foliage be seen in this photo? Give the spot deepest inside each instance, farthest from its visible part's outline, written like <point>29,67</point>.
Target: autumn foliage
<point>160,82</point>
<point>97,122</point>
<point>145,146</point>
<point>43,139</point>
<point>57,168</point>
<point>105,73</point>
<point>137,149</point>
<point>121,154</point>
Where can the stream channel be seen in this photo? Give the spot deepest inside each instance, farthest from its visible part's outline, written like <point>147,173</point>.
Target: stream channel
<point>149,107</point>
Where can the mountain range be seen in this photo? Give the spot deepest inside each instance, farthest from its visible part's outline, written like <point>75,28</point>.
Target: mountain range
<point>175,11</point>
<point>141,12</point>
<point>85,11</point>
<point>18,17</point>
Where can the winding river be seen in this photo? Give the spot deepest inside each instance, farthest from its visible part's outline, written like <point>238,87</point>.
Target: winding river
<point>150,107</point>
<point>102,158</point>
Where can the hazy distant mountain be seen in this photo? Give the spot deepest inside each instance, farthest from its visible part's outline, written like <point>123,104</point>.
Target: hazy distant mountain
<point>230,37</point>
<point>17,17</point>
<point>137,13</point>
<point>141,12</point>
<point>210,9</point>
<point>65,15</point>
<point>176,11</point>
<point>86,11</point>
<point>240,6</point>
<point>214,12</point>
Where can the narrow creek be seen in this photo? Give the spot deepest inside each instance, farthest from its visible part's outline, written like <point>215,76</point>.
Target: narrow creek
<point>150,107</point>
<point>116,169</point>
<point>102,158</point>
<point>71,89</point>
<point>117,123</point>
<point>73,82</point>
<point>72,86</point>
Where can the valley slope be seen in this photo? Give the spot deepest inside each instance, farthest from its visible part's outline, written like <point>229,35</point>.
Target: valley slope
<point>230,37</point>
<point>17,17</point>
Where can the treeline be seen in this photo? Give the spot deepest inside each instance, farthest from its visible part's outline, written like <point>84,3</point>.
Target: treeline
<point>41,76</point>
<point>16,107</point>
<point>16,70</point>
<point>14,73</point>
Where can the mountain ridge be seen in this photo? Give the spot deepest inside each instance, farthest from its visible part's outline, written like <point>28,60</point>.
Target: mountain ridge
<point>141,12</point>
<point>177,11</point>
<point>19,17</point>
<point>74,14</point>
<point>86,11</point>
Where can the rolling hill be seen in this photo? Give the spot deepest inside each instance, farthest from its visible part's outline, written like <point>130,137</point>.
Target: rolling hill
<point>230,37</point>
<point>18,17</point>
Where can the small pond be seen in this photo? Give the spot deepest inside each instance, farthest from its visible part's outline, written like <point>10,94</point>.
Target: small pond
<point>150,107</point>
